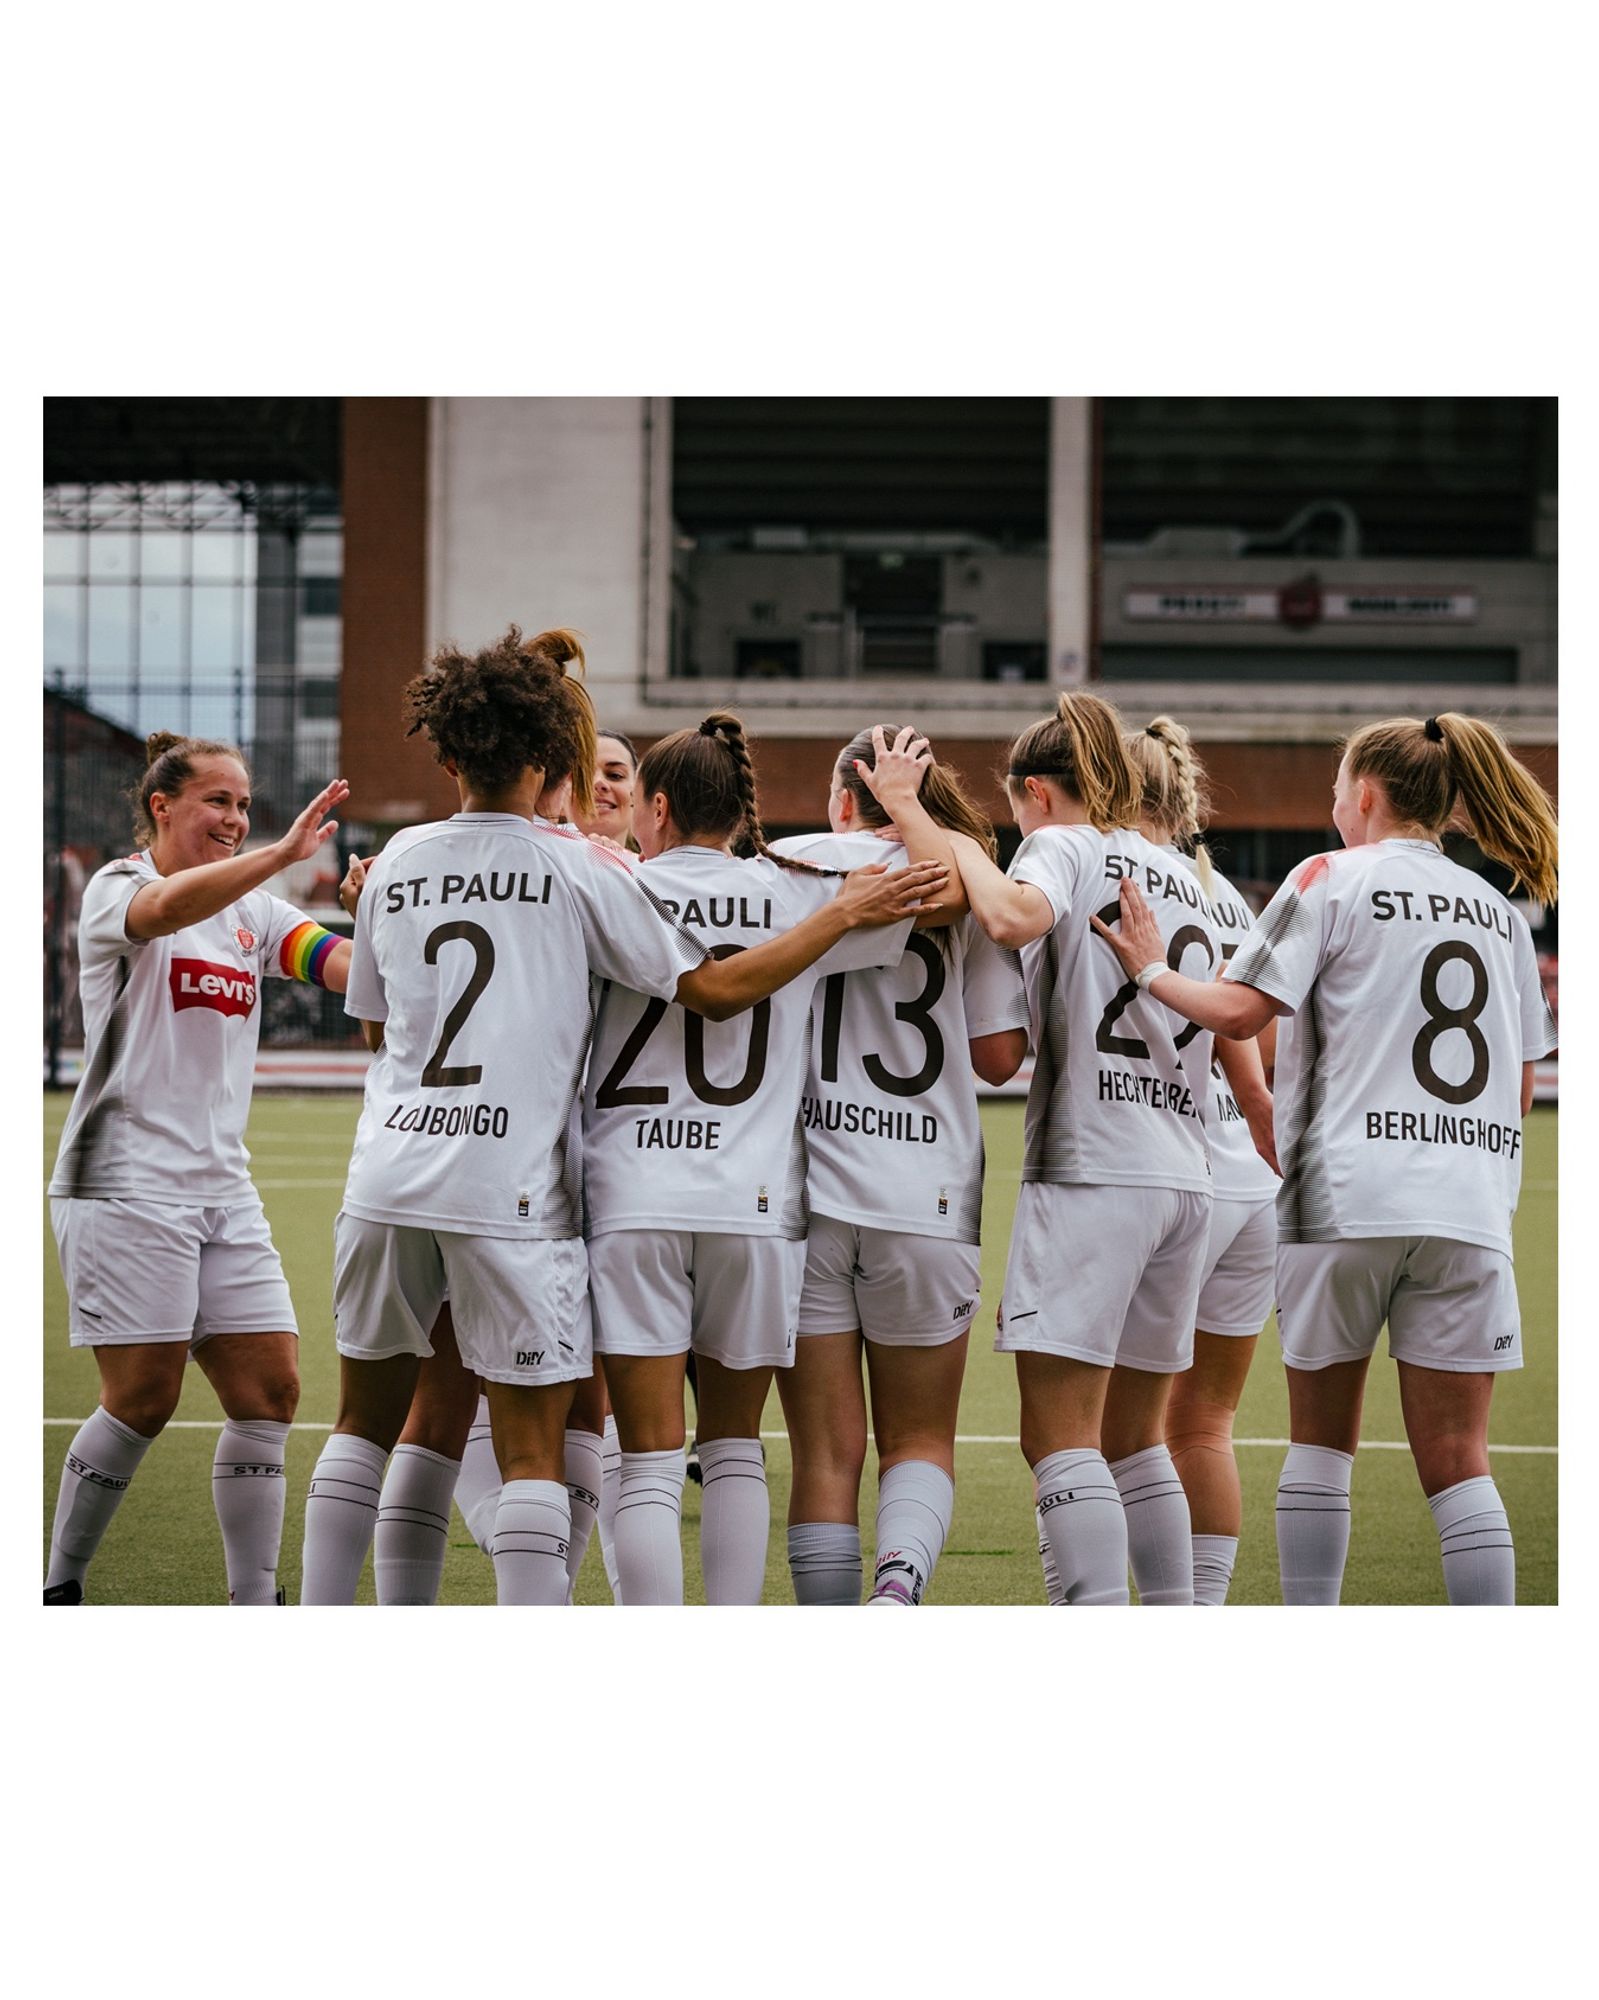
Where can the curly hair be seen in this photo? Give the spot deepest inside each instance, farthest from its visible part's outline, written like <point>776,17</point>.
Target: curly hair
<point>512,707</point>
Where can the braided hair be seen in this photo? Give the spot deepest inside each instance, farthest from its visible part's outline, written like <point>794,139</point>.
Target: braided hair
<point>1176,792</point>
<point>709,783</point>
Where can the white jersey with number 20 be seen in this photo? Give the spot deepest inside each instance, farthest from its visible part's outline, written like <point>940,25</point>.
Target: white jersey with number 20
<point>694,1124</point>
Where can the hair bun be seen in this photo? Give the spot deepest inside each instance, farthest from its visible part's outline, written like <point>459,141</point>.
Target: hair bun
<point>157,745</point>
<point>1431,730</point>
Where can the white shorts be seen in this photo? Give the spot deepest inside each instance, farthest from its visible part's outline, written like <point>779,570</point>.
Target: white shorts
<point>156,1270</point>
<point>1448,1305</point>
<point>519,1304</point>
<point>1105,1275</point>
<point>734,1299</point>
<point>900,1290</point>
<point>1238,1284</point>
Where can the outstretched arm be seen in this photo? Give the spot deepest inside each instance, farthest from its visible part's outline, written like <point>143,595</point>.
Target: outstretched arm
<point>1222,1005</point>
<point>193,894</point>
<point>722,987</point>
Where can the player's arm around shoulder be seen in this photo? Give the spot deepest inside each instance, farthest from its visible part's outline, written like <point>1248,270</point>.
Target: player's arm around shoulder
<point>1012,912</point>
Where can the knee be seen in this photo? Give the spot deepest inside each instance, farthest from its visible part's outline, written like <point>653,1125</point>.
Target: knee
<point>1446,1461</point>
<point>146,1408</point>
<point>1198,1423</point>
<point>274,1399</point>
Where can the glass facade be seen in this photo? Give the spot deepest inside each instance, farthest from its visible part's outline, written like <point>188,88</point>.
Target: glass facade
<point>203,607</point>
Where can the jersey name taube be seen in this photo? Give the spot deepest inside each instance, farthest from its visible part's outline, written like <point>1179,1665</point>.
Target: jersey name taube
<point>1120,1083</point>
<point>172,1025</point>
<point>1413,997</point>
<point>890,1107</point>
<point>474,946</point>
<point>692,1124</point>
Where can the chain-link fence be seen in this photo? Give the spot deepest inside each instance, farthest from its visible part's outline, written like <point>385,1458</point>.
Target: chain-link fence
<point>92,765</point>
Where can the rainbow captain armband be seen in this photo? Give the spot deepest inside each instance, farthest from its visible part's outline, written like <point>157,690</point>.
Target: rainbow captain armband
<point>304,952</point>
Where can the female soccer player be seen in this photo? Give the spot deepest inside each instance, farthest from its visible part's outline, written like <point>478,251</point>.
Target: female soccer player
<point>475,942</point>
<point>164,1245</point>
<point>1413,1015</point>
<point>895,1184</point>
<point>1114,1211</point>
<point>1237,1283</point>
<point>694,1167</point>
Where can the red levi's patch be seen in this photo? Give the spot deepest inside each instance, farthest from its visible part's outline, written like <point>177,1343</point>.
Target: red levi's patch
<point>195,982</point>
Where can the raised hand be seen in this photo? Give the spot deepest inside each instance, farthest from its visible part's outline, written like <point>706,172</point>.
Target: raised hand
<point>308,832</point>
<point>896,777</point>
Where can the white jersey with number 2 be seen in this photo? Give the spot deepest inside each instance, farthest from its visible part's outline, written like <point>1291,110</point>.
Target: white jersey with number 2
<point>1414,998</point>
<point>474,941</point>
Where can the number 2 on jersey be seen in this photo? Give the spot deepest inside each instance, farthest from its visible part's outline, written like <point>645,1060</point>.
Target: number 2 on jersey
<point>1132,1046</point>
<point>435,1076</point>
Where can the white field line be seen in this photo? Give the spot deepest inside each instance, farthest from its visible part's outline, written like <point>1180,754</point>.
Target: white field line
<point>781,1437</point>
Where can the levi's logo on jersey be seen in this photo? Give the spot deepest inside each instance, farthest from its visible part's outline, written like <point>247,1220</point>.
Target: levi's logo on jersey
<point>195,982</point>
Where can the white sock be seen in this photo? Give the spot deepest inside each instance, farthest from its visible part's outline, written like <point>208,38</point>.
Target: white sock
<point>100,1461</point>
<point>531,1531</point>
<point>735,1521</point>
<point>610,1494</point>
<point>1053,1594</point>
<point>915,1501</point>
<point>1159,1531</point>
<point>584,1475</point>
<point>1313,1522</point>
<point>1474,1532</point>
<point>247,1487</point>
<point>477,1485</point>
<point>1086,1527</point>
<point>649,1534</point>
<point>1214,1556</point>
<point>341,1511</point>
<point>413,1528</point>
<point>824,1559</point>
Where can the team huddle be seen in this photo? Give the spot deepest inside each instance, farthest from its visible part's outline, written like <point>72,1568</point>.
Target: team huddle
<point>652,1099</point>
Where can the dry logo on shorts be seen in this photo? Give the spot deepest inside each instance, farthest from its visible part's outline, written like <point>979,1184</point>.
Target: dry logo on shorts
<point>196,982</point>
<point>965,1309</point>
<point>530,1357</point>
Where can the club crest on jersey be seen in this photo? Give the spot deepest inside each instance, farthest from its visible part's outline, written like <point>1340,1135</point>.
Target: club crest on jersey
<point>246,940</point>
<point>195,982</point>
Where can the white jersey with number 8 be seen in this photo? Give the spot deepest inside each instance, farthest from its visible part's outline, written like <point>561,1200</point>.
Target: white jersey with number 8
<point>1414,997</point>
<point>474,943</point>
<point>691,1124</point>
<point>1119,1082</point>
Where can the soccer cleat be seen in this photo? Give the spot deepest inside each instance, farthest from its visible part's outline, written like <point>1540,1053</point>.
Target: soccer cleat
<point>693,1466</point>
<point>70,1592</point>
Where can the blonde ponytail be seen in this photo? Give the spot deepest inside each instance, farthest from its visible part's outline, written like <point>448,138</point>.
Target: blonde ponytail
<point>1081,747</point>
<point>1430,768</point>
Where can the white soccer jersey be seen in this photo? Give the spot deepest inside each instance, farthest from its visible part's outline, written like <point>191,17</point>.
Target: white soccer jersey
<point>694,1124</point>
<point>890,1106</point>
<point>1119,1081</point>
<point>474,944</point>
<point>1414,995</point>
<point>171,1026</point>
<point>1239,1173</point>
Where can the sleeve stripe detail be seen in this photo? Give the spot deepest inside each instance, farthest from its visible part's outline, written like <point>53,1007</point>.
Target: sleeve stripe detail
<point>304,952</point>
